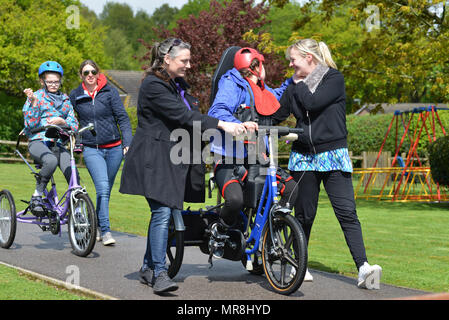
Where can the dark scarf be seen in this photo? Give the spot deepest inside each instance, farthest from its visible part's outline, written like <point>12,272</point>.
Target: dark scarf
<point>57,98</point>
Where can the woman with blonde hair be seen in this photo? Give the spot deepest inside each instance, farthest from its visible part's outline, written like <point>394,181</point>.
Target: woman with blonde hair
<point>317,99</point>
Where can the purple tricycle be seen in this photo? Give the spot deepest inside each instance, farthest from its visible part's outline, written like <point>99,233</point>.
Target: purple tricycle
<point>74,208</point>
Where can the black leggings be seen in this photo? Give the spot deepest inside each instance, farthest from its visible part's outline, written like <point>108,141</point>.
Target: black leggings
<point>338,186</point>
<point>233,192</point>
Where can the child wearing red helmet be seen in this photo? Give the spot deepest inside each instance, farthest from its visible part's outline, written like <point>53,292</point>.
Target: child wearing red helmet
<point>243,88</point>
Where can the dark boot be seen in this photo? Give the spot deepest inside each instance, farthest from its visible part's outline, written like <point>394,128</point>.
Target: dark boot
<point>37,206</point>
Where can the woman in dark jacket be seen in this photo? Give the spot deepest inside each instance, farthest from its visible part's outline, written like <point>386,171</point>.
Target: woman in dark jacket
<point>317,100</point>
<point>97,102</point>
<point>149,170</point>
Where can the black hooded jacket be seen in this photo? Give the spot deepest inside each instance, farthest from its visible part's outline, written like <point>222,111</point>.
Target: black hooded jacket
<point>319,106</point>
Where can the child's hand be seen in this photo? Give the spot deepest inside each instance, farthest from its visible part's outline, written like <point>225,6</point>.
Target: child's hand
<point>30,94</point>
<point>57,121</point>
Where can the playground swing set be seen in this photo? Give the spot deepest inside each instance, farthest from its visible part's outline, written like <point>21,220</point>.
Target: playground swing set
<point>407,179</point>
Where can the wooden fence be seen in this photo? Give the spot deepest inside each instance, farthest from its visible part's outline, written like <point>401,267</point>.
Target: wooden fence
<point>367,157</point>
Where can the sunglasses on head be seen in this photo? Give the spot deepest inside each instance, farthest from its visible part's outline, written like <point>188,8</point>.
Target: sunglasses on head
<point>175,43</point>
<point>86,73</point>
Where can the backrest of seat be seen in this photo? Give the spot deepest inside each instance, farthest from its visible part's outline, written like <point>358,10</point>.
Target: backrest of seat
<point>226,63</point>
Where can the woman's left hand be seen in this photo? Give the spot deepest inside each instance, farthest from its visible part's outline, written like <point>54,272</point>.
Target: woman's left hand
<point>125,150</point>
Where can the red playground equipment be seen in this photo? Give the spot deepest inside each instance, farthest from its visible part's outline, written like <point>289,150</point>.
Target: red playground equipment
<point>407,179</point>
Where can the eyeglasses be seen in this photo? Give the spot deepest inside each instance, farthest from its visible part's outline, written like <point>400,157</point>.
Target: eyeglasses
<point>52,83</point>
<point>175,43</point>
<point>93,71</point>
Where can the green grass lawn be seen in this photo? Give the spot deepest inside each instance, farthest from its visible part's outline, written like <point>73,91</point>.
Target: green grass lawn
<point>409,240</point>
<point>16,286</point>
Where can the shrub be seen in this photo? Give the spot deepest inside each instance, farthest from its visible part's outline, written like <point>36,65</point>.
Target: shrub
<point>366,133</point>
<point>439,160</point>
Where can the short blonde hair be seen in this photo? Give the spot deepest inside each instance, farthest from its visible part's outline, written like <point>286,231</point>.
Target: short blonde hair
<point>318,50</point>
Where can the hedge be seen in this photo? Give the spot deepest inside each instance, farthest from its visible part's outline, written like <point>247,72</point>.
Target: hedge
<point>366,133</point>
<point>439,160</point>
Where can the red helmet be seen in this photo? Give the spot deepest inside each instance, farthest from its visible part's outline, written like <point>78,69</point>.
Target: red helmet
<point>244,56</point>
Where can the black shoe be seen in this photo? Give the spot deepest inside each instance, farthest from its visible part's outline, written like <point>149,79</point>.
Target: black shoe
<point>146,276</point>
<point>163,283</point>
<point>37,206</point>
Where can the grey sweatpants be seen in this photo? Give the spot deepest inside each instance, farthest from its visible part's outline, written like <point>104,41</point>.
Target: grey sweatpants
<point>49,160</point>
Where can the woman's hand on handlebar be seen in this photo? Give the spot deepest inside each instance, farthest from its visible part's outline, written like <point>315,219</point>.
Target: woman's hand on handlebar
<point>232,128</point>
<point>251,126</point>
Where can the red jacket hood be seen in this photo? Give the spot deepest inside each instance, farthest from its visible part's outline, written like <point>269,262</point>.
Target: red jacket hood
<point>101,82</point>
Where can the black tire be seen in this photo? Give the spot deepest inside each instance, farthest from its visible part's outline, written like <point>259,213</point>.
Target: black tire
<point>175,249</point>
<point>280,264</point>
<point>82,225</point>
<point>8,219</point>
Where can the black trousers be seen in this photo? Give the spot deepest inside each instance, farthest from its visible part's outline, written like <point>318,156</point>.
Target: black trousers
<point>338,186</point>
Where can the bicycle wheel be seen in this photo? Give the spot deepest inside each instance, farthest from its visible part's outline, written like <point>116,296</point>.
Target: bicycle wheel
<point>175,249</point>
<point>8,219</point>
<point>82,225</point>
<point>284,261</point>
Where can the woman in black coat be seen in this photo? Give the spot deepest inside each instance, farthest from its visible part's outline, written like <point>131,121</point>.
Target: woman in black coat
<point>149,170</point>
<point>317,100</point>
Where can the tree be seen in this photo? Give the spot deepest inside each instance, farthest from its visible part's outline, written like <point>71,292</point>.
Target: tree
<point>226,24</point>
<point>163,15</point>
<point>402,56</point>
<point>49,35</point>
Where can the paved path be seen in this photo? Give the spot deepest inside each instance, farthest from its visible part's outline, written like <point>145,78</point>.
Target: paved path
<point>113,271</point>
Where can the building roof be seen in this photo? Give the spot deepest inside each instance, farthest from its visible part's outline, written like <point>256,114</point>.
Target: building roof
<point>127,83</point>
<point>391,108</point>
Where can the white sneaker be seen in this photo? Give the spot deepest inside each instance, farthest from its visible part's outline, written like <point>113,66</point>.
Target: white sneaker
<point>108,239</point>
<point>99,237</point>
<point>369,276</point>
<point>307,277</point>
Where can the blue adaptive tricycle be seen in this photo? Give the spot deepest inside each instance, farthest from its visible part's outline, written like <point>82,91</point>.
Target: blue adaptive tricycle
<point>268,238</point>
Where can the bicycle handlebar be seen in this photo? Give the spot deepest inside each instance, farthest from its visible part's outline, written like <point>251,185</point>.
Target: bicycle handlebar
<point>282,131</point>
<point>64,128</point>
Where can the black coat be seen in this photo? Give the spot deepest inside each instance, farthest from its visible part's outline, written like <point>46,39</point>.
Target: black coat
<point>148,169</point>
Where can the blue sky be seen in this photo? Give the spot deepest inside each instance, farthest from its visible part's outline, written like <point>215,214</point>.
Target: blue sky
<point>147,5</point>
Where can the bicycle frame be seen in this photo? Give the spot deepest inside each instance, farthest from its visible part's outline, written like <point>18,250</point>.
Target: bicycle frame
<point>268,201</point>
<point>60,207</point>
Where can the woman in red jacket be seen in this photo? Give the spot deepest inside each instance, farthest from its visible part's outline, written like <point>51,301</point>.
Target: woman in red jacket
<point>97,102</point>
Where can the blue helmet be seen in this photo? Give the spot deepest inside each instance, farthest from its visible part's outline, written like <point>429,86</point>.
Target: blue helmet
<point>51,66</point>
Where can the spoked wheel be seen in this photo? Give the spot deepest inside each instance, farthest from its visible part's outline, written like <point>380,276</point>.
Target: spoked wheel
<point>175,249</point>
<point>285,260</point>
<point>8,219</point>
<point>82,225</point>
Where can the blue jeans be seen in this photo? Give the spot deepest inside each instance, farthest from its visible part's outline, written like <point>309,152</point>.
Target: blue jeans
<point>103,165</point>
<point>157,237</point>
